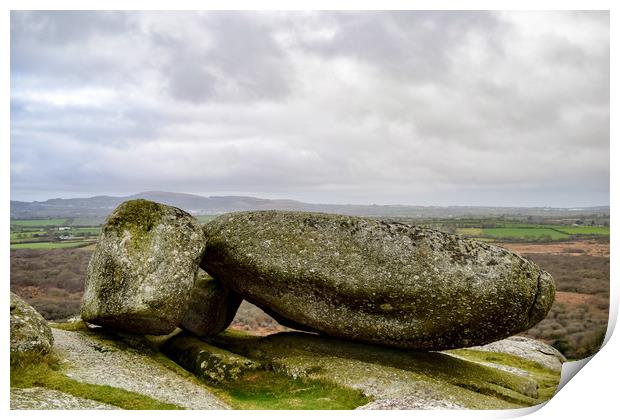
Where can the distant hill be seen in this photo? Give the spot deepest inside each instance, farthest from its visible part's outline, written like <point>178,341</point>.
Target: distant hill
<point>101,206</point>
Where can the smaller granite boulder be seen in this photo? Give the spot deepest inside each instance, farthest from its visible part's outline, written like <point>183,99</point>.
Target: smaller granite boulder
<point>209,363</point>
<point>31,336</point>
<point>211,308</point>
<point>143,269</point>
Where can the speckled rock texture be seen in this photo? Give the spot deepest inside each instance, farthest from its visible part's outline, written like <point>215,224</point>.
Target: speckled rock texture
<point>210,364</point>
<point>31,336</point>
<point>529,349</point>
<point>211,307</point>
<point>49,399</point>
<point>143,268</point>
<point>372,281</point>
<point>95,359</point>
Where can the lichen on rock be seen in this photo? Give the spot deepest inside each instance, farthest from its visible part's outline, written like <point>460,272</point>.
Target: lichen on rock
<point>31,336</point>
<point>143,268</point>
<point>374,281</point>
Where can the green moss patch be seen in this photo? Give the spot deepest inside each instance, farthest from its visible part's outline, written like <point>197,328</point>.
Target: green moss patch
<point>546,379</point>
<point>47,373</point>
<point>268,390</point>
<point>136,216</point>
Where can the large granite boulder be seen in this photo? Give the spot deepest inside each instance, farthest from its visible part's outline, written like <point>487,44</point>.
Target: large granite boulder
<point>31,336</point>
<point>143,269</point>
<point>211,307</point>
<point>377,282</point>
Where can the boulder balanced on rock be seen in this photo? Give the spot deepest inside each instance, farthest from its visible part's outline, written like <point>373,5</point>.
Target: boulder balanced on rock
<point>143,268</point>
<point>372,281</point>
<point>211,307</point>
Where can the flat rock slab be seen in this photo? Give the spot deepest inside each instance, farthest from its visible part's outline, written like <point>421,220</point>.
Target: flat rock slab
<point>392,377</point>
<point>37,398</point>
<point>102,362</point>
<point>529,349</point>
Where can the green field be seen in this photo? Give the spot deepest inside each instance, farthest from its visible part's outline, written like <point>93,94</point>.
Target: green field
<point>49,245</point>
<point>493,230</point>
<point>525,233</point>
<point>475,232</point>
<point>26,234</point>
<point>38,222</point>
<point>585,230</point>
<point>95,230</point>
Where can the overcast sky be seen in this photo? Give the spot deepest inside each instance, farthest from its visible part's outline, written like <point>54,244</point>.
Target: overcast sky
<point>427,108</point>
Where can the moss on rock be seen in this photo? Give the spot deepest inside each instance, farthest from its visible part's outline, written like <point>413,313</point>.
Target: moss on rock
<point>142,271</point>
<point>31,336</point>
<point>387,374</point>
<point>377,282</point>
<point>209,363</point>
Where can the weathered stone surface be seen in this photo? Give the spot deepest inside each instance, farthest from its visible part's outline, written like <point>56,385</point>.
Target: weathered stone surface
<point>143,268</point>
<point>529,349</point>
<point>209,363</point>
<point>374,281</point>
<point>48,399</point>
<point>211,307</point>
<point>396,377</point>
<point>410,403</point>
<point>94,357</point>
<point>31,336</point>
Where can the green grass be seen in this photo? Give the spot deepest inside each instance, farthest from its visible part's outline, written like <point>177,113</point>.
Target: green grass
<point>268,390</point>
<point>49,245</point>
<point>525,233</point>
<point>38,222</point>
<point>47,373</point>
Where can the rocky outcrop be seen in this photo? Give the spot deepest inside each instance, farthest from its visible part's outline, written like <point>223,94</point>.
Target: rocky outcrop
<point>211,307</point>
<point>143,269</point>
<point>207,362</point>
<point>31,336</point>
<point>377,282</point>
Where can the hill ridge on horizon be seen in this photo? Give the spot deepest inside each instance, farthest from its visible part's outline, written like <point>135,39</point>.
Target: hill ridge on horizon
<point>102,205</point>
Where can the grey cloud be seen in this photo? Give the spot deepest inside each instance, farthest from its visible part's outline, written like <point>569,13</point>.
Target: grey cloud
<point>243,62</point>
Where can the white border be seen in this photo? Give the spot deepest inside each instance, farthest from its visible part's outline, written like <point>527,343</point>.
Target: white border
<point>591,395</point>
